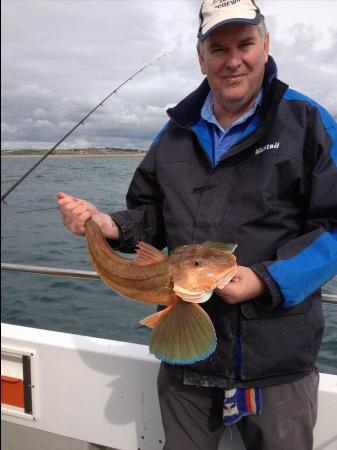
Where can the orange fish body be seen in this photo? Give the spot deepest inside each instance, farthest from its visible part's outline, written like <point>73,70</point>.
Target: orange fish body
<point>182,332</point>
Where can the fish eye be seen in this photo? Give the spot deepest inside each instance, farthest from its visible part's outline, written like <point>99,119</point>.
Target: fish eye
<point>197,263</point>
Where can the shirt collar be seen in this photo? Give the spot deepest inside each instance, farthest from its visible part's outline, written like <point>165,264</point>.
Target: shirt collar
<point>207,111</point>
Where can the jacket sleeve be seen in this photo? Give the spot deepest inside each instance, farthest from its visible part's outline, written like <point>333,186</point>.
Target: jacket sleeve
<point>142,220</point>
<point>307,262</point>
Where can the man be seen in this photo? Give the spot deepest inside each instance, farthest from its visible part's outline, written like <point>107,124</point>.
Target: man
<point>242,159</point>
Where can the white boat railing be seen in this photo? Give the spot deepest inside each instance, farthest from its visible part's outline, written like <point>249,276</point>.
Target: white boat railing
<point>92,275</point>
<point>56,271</point>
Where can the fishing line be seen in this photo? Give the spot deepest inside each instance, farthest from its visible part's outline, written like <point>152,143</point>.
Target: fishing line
<point>81,122</point>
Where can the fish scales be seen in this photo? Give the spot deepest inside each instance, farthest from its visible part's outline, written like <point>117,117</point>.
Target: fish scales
<point>154,290</point>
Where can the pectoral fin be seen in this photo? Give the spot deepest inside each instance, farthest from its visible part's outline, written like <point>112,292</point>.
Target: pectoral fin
<point>151,321</point>
<point>184,335</point>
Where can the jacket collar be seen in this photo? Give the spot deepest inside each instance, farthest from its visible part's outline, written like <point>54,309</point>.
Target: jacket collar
<point>187,113</point>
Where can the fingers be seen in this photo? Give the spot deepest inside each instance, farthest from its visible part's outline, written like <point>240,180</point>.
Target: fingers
<point>81,221</point>
<point>246,285</point>
<point>73,206</point>
<point>224,282</point>
<point>75,221</point>
<point>75,212</point>
<point>229,293</point>
<point>65,199</point>
<point>62,195</point>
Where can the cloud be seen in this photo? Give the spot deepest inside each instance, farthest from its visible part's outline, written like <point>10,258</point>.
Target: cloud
<point>61,58</point>
<point>310,70</point>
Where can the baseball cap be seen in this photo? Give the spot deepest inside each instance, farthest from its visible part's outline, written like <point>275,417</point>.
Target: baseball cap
<point>214,13</point>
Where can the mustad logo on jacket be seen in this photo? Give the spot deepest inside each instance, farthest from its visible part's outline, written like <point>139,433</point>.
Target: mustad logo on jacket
<point>266,147</point>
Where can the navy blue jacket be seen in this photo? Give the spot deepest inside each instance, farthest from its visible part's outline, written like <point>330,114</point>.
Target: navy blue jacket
<point>275,194</point>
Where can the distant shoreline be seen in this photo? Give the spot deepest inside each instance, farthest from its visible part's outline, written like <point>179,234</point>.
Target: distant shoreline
<point>75,155</point>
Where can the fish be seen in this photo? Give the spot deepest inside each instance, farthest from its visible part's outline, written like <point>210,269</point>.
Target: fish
<point>182,333</point>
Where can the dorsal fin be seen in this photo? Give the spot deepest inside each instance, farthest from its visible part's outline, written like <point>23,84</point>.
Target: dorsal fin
<point>227,247</point>
<point>147,254</point>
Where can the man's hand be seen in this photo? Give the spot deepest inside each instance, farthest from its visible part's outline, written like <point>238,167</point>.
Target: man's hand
<point>245,285</point>
<point>75,212</point>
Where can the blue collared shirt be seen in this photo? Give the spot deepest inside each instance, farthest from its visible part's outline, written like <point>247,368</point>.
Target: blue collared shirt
<point>223,140</point>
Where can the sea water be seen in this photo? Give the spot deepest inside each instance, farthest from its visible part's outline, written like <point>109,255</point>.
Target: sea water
<point>33,234</point>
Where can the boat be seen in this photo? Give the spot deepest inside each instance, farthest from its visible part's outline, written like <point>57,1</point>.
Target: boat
<point>69,392</point>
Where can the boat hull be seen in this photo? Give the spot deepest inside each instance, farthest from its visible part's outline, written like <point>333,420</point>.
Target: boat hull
<point>103,392</point>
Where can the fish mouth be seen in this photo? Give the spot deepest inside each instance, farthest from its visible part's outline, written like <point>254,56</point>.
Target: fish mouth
<point>193,296</point>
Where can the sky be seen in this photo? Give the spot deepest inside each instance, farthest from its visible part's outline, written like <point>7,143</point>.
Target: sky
<point>59,59</point>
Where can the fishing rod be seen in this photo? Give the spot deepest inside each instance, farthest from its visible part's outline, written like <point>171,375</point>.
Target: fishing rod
<point>81,122</point>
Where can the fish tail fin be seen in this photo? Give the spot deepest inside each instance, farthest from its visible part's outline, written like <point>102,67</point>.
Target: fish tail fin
<point>184,335</point>
<point>151,321</point>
